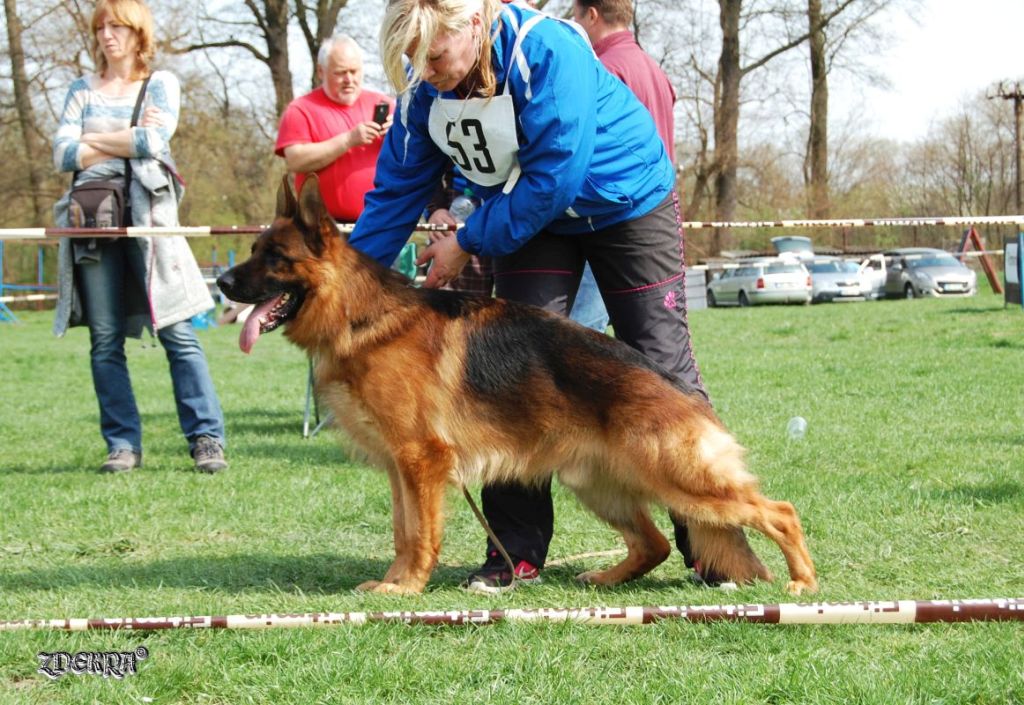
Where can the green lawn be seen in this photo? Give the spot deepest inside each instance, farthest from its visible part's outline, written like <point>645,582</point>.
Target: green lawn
<point>908,482</point>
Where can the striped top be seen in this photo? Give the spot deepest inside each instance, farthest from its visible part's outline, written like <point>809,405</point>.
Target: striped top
<point>88,110</point>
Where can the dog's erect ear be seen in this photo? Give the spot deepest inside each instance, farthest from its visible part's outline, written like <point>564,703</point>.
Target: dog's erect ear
<point>286,198</point>
<point>286,203</point>
<point>312,215</point>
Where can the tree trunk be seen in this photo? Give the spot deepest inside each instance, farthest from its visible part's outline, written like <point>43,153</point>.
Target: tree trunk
<point>325,16</point>
<point>276,34</point>
<point>727,116</point>
<point>817,140</point>
<point>34,152</point>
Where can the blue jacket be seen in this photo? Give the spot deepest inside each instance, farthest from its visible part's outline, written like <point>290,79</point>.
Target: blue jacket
<point>588,149</point>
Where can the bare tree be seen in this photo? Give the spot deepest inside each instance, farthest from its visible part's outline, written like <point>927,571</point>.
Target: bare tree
<point>31,144</point>
<point>853,30</point>
<point>816,162</point>
<point>735,17</point>
<point>261,30</point>
<point>317,22</point>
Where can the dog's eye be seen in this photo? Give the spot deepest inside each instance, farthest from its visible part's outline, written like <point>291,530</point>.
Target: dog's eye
<point>274,258</point>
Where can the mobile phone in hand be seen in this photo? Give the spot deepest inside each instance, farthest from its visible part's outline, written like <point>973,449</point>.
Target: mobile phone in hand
<point>380,112</point>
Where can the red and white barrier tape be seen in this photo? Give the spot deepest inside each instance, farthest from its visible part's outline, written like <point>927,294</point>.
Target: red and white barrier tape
<point>199,231</point>
<point>861,222</point>
<point>206,231</point>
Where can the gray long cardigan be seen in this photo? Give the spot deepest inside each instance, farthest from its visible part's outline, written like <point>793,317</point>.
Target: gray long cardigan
<point>175,289</point>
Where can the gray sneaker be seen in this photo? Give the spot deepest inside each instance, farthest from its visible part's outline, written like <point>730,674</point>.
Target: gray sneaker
<point>209,455</point>
<point>122,460</point>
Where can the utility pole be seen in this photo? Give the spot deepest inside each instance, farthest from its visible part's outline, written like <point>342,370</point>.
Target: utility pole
<point>1014,92</point>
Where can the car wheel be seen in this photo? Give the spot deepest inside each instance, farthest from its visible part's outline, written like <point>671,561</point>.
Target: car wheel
<point>744,301</point>
<point>712,301</point>
<point>908,292</point>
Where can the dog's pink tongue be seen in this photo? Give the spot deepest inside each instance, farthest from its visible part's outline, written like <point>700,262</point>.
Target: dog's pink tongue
<point>251,329</point>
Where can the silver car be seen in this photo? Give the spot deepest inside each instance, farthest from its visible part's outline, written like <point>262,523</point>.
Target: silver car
<point>764,281</point>
<point>837,279</point>
<point>924,271</point>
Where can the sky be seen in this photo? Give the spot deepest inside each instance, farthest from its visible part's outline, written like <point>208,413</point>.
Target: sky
<point>957,49</point>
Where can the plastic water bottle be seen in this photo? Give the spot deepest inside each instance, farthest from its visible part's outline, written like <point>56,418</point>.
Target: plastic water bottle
<point>463,206</point>
<point>796,428</point>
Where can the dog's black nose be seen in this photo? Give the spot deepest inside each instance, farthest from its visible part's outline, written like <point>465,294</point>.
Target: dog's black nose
<point>226,280</point>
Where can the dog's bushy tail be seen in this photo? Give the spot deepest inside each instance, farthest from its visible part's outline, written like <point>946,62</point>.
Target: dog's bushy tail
<point>725,550</point>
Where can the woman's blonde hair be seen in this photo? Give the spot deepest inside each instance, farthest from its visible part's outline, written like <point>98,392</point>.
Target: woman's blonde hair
<point>413,25</point>
<point>130,13</point>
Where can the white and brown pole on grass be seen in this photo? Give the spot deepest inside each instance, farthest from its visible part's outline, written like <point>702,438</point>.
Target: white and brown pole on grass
<point>896,612</point>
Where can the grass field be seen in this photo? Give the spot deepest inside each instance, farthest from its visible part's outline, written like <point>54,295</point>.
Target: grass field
<point>909,484</point>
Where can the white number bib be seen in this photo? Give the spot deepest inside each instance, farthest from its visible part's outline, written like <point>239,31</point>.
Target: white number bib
<point>479,134</point>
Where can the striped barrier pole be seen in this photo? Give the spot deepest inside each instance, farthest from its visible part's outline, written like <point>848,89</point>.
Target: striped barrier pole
<point>894,612</point>
<point>205,231</point>
<point>860,222</point>
<point>195,231</point>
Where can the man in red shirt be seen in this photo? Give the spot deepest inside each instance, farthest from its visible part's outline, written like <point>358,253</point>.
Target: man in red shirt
<point>331,130</point>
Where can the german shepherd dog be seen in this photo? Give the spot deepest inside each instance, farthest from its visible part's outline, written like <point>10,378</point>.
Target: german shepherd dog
<point>440,387</point>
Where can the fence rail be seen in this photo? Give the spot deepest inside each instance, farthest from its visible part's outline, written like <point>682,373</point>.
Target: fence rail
<point>187,231</point>
<point>207,231</point>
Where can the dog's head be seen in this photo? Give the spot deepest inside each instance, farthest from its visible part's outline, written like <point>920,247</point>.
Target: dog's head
<point>280,273</point>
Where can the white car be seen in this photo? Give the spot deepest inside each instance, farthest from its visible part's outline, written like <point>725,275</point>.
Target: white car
<point>763,281</point>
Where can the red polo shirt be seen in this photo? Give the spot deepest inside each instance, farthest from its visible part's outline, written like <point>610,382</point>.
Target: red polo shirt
<point>314,118</point>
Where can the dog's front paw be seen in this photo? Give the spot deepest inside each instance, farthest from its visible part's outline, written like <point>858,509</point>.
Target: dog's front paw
<point>396,589</point>
<point>368,586</point>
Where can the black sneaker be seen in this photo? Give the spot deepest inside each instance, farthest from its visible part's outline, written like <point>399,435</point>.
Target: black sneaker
<point>122,460</point>
<point>494,576</point>
<point>209,455</point>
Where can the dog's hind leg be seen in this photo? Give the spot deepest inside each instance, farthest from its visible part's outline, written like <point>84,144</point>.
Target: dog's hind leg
<point>714,489</point>
<point>724,550</point>
<point>646,546</point>
<point>748,507</point>
<point>779,522</point>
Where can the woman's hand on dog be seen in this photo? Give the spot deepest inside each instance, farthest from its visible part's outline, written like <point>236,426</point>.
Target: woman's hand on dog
<point>447,259</point>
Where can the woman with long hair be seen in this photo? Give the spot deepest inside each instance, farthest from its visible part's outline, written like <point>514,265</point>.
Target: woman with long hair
<point>116,127</point>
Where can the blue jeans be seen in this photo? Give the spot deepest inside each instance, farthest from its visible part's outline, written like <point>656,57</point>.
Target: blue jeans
<point>588,309</point>
<point>105,287</point>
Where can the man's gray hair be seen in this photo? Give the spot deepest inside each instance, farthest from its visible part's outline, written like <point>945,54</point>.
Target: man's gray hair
<point>329,44</point>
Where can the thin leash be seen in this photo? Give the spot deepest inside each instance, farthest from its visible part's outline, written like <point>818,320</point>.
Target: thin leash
<point>490,534</point>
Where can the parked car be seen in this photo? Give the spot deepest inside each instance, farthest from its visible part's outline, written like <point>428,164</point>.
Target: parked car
<point>763,281</point>
<point>796,245</point>
<point>836,279</point>
<point>873,271</point>
<point>925,271</point>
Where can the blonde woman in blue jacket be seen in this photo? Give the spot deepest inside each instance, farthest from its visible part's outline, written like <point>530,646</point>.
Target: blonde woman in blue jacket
<point>570,169</point>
